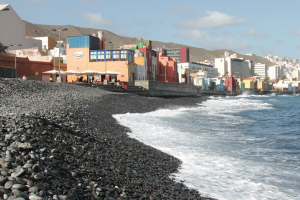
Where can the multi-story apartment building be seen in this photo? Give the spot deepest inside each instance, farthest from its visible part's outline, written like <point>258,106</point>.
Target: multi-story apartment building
<point>296,74</point>
<point>231,66</point>
<point>260,70</point>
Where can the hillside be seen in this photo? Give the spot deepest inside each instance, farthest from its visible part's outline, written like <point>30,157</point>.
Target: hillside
<point>196,54</point>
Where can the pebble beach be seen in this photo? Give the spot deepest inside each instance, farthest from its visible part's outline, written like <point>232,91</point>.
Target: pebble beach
<point>60,141</point>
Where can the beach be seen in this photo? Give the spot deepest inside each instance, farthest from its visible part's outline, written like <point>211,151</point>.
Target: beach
<point>75,149</point>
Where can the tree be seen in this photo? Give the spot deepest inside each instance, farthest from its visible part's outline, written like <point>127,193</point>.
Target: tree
<point>226,73</point>
<point>233,73</point>
<point>267,79</point>
<point>241,75</point>
<point>199,68</point>
<point>294,79</point>
<point>193,68</point>
<point>284,77</point>
<point>213,71</point>
<point>218,74</point>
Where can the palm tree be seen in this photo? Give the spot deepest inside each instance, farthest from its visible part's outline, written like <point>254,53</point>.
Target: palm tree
<point>193,68</point>
<point>199,68</point>
<point>212,71</point>
<point>218,74</point>
<point>241,75</point>
<point>226,73</point>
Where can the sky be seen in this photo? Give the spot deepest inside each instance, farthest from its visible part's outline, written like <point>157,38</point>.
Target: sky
<point>258,27</point>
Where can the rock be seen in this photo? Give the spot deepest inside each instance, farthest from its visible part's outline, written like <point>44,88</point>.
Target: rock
<point>17,193</point>
<point>3,180</point>
<point>35,197</point>
<point>8,185</point>
<point>62,197</point>
<point>20,187</point>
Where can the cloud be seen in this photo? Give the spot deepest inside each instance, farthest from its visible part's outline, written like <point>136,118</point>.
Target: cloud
<point>89,2</point>
<point>96,19</point>
<point>205,41</point>
<point>296,32</point>
<point>254,33</point>
<point>279,42</point>
<point>142,22</point>
<point>180,9</point>
<point>214,19</point>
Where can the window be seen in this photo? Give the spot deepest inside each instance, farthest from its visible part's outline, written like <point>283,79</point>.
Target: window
<point>93,56</point>
<point>116,55</point>
<point>123,55</point>
<point>108,55</point>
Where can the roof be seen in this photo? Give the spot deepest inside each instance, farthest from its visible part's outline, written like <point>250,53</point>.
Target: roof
<point>2,6</point>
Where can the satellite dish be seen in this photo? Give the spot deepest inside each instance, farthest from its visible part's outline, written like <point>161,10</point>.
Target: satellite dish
<point>226,54</point>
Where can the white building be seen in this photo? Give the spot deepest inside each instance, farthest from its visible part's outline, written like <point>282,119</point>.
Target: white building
<point>184,70</point>
<point>260,70</point>
<point>47,42</point>
<point>13,30</point>
<point>273,72</point>
<point>296,74</point>
<point>233,65</point>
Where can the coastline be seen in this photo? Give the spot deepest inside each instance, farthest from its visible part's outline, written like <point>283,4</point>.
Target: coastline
<point>124,168</point>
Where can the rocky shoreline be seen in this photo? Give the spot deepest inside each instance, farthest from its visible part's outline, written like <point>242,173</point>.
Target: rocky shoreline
<point>60,141</point>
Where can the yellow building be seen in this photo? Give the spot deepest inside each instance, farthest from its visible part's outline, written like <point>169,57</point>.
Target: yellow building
<point>249,84</point>
<point>261,85</point>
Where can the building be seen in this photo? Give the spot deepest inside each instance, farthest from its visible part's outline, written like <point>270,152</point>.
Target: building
<point>185,69</point>
<point>273,72</point>
<point>233,66</point>
<point>141,62</point>
<point>47,42</point>
<point>166,68</point>
<point>296,74</point>
<point>90,53</point>
<point>181,54</point>
<point>15,30</point>
<point>260,70</point>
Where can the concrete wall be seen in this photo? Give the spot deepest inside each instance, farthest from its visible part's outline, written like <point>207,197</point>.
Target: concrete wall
<point>172,89</point>
<point>15,31</point>
<point>31,69</point>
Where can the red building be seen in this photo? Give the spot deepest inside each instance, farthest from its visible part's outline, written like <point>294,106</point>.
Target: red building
<point>230,83</point>
<point>166,68</point>
<point>33,70</point>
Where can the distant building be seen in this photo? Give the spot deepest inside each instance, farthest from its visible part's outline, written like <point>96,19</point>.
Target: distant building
<point>273,72</point>
<point>260,70</point>
<point>181,54</point>
<point>47,42</point>
<point>296,74</point>
<point>230,65</point>
<point>185,69</point>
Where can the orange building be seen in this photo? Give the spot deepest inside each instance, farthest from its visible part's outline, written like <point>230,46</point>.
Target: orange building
<point>88,53</point>
<point>166,68</point>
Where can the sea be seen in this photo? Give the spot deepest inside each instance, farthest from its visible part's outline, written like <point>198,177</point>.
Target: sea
<point>241,147</point>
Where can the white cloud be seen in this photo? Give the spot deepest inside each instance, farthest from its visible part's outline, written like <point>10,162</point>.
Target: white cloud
<point>96,19</point>
<point>180,9</point>
<point>214,19</point>
<point>296,32</point>
<point>205,41</point>
<point>254,33</point>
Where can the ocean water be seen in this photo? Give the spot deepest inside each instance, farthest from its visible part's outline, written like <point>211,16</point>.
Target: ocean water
<point>243,147</point>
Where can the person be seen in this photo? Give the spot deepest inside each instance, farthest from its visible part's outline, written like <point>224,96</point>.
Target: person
<point>24,77</point>
<point>80,79</point>
<point>124,87</point>
<point>118,84</point>
<point>51,79</point>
